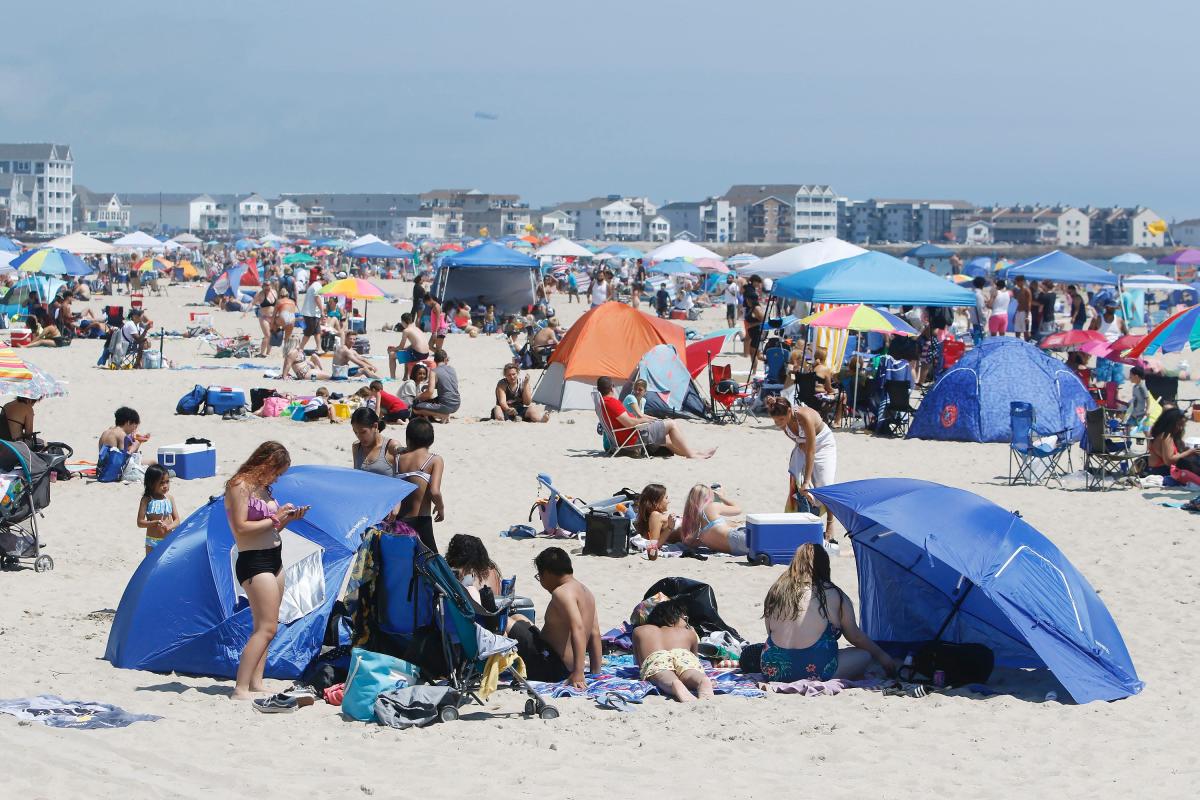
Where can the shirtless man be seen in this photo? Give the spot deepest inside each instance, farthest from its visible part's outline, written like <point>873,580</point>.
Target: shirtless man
<point>345,355</point>
<point>667,650</point>
<point>571,631</point>
<point>414,347</point>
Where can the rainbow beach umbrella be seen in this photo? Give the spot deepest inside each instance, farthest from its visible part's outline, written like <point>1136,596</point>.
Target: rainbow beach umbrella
<point>354,289</point>
<point>51,261</point>
<point>154,264</point>
<point>1177,332</point>
<point>861,318</point>
<point>20,378</point>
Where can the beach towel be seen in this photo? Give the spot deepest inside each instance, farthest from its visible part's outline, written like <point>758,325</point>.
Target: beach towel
<point>621,675</point>
<point>48,709</point>
<point>813,688</point>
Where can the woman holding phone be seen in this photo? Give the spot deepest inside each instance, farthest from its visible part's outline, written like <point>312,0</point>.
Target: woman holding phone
<point>256,521</point>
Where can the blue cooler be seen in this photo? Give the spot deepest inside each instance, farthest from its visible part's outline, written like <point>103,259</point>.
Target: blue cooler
<point>225,398</point>
<point>773,538</point>
<point>189,461</point>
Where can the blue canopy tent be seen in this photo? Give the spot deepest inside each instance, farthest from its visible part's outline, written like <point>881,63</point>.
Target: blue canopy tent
<point>376,250</point>
<point>945,564</point>
<point>874,279</point>
<point>970,401</point>
<point>669,388</point>
<point>500,275</point>
<point>1061,267</point>
<point>928,250</point>
<point>183,612</point>
<point>8,245</point>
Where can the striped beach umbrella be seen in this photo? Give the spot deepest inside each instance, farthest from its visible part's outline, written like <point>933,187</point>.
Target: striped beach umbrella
<point>1177,332</point>
<point>12,368</point>
<point>51,261</point>
<point>861,318</point>
<point>154,264</point>
<point>354,289</point>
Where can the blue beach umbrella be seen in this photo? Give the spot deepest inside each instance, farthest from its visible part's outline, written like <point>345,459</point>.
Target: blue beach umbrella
<point>51,261</point>
<point>675,266</point>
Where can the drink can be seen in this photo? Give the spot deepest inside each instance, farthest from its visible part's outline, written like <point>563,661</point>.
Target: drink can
<point>506,587</point>
<point>939,678</point>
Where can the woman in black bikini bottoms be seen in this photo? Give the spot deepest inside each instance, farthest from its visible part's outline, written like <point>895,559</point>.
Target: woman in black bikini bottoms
<point>256,521</point>
<point>423,469</point>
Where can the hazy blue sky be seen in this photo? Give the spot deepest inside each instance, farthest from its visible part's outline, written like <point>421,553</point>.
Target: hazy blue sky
<point>1054,101</point>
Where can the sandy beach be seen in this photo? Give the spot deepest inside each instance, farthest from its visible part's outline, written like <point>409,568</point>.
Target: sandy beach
<point>1140,556</point>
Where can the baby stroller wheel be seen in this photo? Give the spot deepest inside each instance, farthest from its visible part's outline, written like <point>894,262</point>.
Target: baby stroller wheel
<point>548,712</point>
<point>530,707</point>
<point>43,564</point>
<point>448,714</point>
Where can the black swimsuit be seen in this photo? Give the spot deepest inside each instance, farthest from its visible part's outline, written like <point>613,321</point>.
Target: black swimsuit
<point>254,562</point>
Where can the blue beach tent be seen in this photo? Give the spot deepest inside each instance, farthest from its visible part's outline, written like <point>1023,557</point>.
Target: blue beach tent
<point>1061,267</point>
<point>970,401</point>
<point>501,275</point>
<point>875,279</point>
<point>928,250</point>
<point>942,563</point>
<point>182,610</point>
<point>376,250</point>
<point>669,388</point>
<point>227,284</point>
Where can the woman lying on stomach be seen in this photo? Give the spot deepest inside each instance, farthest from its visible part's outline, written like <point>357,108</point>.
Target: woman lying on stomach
<point>805,613</point>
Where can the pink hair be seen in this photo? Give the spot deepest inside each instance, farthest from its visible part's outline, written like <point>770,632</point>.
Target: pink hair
<point>693,512</point>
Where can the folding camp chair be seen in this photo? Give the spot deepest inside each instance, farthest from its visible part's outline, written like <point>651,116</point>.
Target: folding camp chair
<point>1037,464</point>
<point>1164,387</point>
<point>730,400</point>
<point>1106,458</point>
<point>612,445</point>
<point>806,393</point>
<point>897,411</point>
<point>774,362</point>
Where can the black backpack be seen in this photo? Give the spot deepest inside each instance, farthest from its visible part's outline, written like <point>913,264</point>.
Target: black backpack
<point>193,401</point>
<point>961,663</point>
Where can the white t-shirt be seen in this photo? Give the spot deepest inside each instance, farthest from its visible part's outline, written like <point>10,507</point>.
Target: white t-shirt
<point>730,295</point>
<point>130,330</point>
<point>599,292</point>
<point>312,300</point>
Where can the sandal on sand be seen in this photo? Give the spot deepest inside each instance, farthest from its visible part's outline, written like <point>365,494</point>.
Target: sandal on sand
<point>616,701</point>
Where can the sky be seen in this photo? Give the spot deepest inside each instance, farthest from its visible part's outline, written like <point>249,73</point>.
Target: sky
<point>1064,101</point>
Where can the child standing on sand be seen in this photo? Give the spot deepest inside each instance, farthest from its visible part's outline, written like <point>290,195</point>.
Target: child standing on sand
<point>157,514</point>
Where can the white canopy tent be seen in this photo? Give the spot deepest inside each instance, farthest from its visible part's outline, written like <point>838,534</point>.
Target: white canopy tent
<point>679,249</point>
<point>800,258</point>
<point>81,245</point>
<point>139,240</point>
<point>187,239</point>
<point>1153,283</point>
<point>562,248</point>
<point>369,238</point>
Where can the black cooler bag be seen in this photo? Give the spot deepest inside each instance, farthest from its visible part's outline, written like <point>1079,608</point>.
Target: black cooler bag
<point>607,534</point>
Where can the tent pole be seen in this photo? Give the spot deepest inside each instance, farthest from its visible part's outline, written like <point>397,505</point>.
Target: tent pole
<point>954,610</point>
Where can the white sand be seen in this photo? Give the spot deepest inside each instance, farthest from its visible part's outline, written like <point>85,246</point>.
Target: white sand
<point>53,628</point>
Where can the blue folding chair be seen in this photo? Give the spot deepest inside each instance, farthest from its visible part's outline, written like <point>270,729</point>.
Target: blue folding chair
<point>775,362</point>
<point>1037,463</point>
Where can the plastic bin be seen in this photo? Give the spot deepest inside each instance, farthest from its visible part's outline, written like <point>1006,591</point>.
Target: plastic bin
<point>773,538</point>
<point>189,461</point>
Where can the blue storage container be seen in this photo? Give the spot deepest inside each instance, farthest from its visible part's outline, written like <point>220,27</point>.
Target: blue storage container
<point>773,538</point>
<point>225,398</point>
<point>189,461</point>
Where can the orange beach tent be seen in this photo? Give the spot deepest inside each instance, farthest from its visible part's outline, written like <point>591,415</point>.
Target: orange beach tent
<point>607,341</point>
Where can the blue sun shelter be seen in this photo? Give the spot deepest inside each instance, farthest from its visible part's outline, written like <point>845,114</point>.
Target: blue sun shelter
<point>669,388</point>
<point>970,401</point>
<point>941,563</point>
<point>183,611</point>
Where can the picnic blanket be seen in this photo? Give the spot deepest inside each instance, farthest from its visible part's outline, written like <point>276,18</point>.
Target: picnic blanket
<point>55,712</point>
<point>621,676</point>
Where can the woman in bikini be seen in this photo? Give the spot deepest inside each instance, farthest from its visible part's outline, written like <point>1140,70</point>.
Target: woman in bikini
<point>654,522</point>
<point>1168,456</point>
<point>705,522</point>
<point>256,521</point>
<point>372,451</point>
<point>423,470</point>
<point>814,455</point>
<point>265,302</point>
<point>805,614</point>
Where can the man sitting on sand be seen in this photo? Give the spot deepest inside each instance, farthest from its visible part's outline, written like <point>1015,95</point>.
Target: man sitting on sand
<point>514,398</point>
<point>345,355</point>
<point>666,649</point>
<point>660,433</point>
<point>413,347</point>
<point>440,398</point>
<point>571,631</point>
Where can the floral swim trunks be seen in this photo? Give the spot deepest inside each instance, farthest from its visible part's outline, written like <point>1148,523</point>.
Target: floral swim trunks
<point>678,661</point>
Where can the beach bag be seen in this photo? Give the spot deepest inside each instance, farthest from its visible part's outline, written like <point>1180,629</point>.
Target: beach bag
<point>701,604</point>
<point>133,471</point>
<point>274,406</point>
<point>110,464</point>
<point>962,663</point>
<point>370,675</point>
<point>193,401</point>
<point>607,534</point>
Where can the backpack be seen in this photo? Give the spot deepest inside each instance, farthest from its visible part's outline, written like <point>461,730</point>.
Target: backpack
<point>962,663</point>
<point>193,401</point>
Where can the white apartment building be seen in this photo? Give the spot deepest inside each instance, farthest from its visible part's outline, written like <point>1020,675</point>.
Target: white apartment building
<point>656,228</point>
<point>207,215</point>
<point>1073,227</point>
<point>99,211</point>
<point>253,215</point>
<point>558,223</point>
<point>17,211</point>
<point>1186,233</point>
<point>606,218</point>
<point>289,219</point>
<point>48,172</point>
<point>816,213</point>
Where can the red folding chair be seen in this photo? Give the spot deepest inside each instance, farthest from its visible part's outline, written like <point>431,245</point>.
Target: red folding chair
<point>730,400</point>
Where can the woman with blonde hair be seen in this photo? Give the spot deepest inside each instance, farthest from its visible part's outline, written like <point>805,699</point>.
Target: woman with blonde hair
<point>256,521</point>
<point>706,522</point>
<point>805,614</point>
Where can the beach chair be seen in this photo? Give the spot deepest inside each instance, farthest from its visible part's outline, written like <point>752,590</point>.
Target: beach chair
<point>27,492</point>
<point>774,363</point>
<point>612,446</point>
<point>1164,387</point>
<point>730,400</point>
<point>1036,463</point>
<point>1106,458</point>
<point>466,645</point>
<point>897,411</point>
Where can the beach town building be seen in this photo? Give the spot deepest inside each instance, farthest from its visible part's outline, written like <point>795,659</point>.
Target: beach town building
<point>48,177</point>
<point>289,219</point>
<point>1124,227</point>
<point>656,228</point>
<point>899,220</point>
<point>252,215</point>
<point>158,211</point>
<point>556,223</point>
<point>380,214</point>
<point>782,212</point>
<point>497,214</point>
<point>710,220</point>
<point>17,211</point>
<point>209,215</point>
<point>1186,233</point>
<point>608,218</point>
<point>99,211</point>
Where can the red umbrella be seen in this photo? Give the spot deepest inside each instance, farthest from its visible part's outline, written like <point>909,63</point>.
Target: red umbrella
<point>1115,351</point>
<point>701,353</point>
<point>1071,340</point>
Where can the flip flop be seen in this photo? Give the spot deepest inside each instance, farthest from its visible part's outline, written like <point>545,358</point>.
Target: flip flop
<point>615,701</point>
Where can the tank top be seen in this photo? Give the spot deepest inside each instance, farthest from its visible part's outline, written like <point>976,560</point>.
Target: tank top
<point>1111,330</point>
<point>379,465</point>
<point>1001,301</point>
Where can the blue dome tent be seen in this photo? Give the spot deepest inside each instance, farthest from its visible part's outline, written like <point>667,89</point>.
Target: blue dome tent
<point>970,402</point>
<point>500,275</point>
<point>669,388</point>
<point>183,612</point>
<point>941,563</point>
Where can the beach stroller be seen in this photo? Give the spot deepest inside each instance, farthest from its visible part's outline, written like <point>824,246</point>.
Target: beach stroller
<point>563,515</point>
<point>466,645</point>
<point>26,493</point>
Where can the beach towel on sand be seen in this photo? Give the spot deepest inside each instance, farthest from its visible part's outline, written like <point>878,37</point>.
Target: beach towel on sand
<point>621,676</point>
<point>48,709</point>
